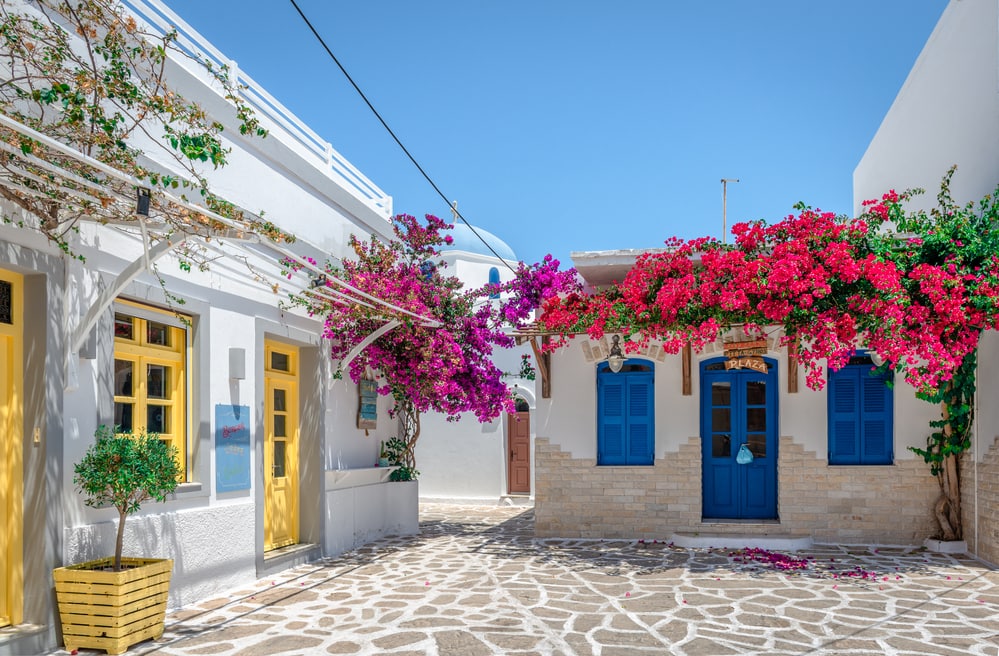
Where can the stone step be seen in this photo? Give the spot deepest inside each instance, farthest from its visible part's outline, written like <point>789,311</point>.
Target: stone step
<point>731,541</point>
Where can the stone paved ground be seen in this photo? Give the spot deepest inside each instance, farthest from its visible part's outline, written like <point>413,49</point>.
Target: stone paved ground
<point>476,582</point>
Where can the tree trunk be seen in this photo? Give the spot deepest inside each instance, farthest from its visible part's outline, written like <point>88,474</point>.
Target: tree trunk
<point>947,508</point>
<point>409,430</point>
<point>119,542</point>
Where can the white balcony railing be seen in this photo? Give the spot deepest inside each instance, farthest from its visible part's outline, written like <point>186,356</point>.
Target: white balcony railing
<point>160,17</point>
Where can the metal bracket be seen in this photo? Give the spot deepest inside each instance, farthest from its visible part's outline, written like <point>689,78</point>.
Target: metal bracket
<point>354,352</point>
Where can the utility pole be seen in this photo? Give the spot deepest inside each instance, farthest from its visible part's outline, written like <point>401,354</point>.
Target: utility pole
<point>725,182</point>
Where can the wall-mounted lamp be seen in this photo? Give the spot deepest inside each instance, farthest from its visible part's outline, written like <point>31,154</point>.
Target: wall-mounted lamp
<point>876,359</point>
<point>237,363</point>
<point>142,197</point>
<point>616,359</point>
<point>318,281</point>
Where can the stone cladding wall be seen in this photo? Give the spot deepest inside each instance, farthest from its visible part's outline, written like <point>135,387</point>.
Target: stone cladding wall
<point>851,505</point>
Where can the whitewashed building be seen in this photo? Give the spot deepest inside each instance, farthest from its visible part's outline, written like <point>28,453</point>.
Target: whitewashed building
<point>276,470</point>
<point>465,460</point>
<point>652,451</point>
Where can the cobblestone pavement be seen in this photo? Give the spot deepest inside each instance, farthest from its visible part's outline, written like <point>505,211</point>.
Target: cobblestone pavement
<point>477,582</point>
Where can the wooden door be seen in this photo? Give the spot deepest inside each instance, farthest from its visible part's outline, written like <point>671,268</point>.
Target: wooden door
<point>280,446</point>
<point>11,429</point>
<point>518,439</point>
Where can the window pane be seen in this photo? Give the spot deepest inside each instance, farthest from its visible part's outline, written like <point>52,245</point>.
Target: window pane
<point>721,446</point>
<point>757,443</point>
<point>756,392</point>
<point>279,449</point>
<point>123,417</point>
<point>721,393</point>
<point>123,378</point>
<point>124,327</point>
<point>721,419</point>
<point>157,333</point>
<point>279,400</point>
<point>756,419</point>
<point>280,361</point>
<point>157,381</point>
<point>280,429</point>
<point>157,419</point>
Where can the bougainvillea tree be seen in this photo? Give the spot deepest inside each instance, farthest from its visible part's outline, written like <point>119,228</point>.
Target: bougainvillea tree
<point>915,288</point>
<point>445,364</point>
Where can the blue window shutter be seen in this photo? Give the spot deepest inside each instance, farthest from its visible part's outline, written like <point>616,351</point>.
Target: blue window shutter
<point>611,420</point>
<point>494,279</point>
<point>876,425</point>
<point>844,417</point>
<point>640,421</point>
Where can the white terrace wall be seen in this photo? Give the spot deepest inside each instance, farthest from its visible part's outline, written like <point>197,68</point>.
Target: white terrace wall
<point>576,498</point>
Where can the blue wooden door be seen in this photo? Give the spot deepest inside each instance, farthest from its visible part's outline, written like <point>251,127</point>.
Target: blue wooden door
<point>738,406</point>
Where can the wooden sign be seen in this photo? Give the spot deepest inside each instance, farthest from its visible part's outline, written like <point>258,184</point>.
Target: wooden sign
<point>751,362</point>
<point>745,349</point>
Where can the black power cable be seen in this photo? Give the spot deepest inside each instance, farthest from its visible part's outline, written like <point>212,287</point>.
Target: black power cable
<point>412,159</point>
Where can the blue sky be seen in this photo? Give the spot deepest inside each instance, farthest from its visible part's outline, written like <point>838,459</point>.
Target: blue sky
<point>582,125</point>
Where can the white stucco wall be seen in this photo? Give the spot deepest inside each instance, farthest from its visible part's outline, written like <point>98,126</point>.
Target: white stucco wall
<point>359,510</point>
<point>946,113</point>
<point>461,460</point>
<point>212,548</point>
<point>569,418</point>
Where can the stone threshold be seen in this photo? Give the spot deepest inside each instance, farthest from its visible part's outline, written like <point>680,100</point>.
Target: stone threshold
<point>731,541</point>
<point>946,546</point>
<point>516,500</point>
<point>290,556</point>
<point>23,638</point>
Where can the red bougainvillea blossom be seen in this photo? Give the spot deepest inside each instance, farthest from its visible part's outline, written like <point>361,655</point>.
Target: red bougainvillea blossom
<point>832,285</point>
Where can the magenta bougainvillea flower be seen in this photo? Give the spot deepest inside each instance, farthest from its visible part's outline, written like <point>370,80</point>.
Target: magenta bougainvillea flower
<point>446,368</point>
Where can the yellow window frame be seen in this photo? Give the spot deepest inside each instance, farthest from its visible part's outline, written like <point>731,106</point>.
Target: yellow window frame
<point>143,353</point>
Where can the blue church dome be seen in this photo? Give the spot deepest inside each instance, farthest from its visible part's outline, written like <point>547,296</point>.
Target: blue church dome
<point>465,240</point>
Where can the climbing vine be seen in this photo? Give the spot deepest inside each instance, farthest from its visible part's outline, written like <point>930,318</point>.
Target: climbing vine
<point>86,87</point>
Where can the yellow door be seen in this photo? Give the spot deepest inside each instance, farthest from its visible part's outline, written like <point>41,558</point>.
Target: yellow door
<point>11,422</point>
<point>280,445</point>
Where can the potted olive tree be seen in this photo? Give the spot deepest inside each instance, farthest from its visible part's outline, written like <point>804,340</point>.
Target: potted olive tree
<point>113,603</point>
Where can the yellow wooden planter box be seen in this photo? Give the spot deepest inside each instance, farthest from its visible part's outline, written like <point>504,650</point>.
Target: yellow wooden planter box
<point>112,610</point>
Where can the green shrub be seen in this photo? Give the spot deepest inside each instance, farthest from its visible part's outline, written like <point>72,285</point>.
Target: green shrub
<point>123,471</point>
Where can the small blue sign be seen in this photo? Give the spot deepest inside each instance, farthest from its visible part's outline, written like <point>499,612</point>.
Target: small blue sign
<point>367,406</point>
<point>232,448</point>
